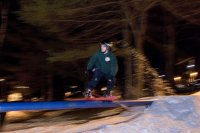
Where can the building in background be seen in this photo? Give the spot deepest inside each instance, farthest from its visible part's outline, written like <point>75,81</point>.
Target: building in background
<point>187,75</point>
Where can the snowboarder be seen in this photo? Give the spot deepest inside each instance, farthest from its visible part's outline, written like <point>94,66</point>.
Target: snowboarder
<point>103,64</point>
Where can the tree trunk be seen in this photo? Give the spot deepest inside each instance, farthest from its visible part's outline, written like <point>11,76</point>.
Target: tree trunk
<point>3,26</point>
<point>127,33</point>
<point>170,49</point>
<point>139,28</point>
<point>135,83</point>
<point>128,66</point>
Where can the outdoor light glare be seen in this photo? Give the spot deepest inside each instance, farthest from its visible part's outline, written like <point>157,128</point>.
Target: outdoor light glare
<point>2,80</point>
<point>177,78</point>
<point>190,66</point>
<point>104,88</point>
<point>22,87</point>
<point>73,86</point>
<point>15,97</point>
<point>161,76</point>
<point>68,93</point>
<point>193,74</point>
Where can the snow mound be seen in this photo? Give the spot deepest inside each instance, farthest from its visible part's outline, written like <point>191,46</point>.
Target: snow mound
<point>171,114</point>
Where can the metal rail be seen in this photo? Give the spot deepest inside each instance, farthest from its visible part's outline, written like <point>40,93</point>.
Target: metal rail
<point>58,105</point>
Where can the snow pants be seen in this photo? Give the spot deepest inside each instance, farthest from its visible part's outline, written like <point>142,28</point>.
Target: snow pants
<point>97,76</point>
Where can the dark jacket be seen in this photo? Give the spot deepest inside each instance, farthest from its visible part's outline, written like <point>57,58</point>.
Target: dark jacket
<point>107,63</point>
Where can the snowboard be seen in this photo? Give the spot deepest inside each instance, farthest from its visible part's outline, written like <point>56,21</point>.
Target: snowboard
<point>101,99</point>
<point>110,98</point>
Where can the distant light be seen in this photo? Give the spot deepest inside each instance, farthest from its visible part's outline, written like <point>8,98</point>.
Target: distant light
<point>177,78</point>
<point>160,76</point>
<point>194,74</point>
<point>15,97</point>
<point>197,84</point>
<point>190,66</point>
<point>197,80</point>
<point>22,87</point>
<point>73,86</point>
<point>68,94</point>
<point>104,88</point>
<point>2,80</point>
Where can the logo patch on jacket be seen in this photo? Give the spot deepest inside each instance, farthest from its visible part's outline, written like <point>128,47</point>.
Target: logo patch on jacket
<point>107,59</point>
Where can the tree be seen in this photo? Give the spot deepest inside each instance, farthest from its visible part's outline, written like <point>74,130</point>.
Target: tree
<point>76,21</point>
<point>185,9</point>
<point>3,27</point>
<point>135,14</point>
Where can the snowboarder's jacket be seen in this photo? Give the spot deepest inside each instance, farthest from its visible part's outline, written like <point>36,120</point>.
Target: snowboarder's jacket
<point>107,63</point>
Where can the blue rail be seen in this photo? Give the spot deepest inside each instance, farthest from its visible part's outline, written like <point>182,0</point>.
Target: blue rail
<point>58,105</point>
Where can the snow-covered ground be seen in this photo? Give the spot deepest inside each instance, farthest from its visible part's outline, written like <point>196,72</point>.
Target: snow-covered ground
<point>178,114</point>
<point>170,114</point>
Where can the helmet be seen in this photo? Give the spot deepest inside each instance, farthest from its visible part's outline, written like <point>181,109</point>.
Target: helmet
<point>107,44</point>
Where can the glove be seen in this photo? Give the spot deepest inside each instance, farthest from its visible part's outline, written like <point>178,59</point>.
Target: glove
<point>94,69</point>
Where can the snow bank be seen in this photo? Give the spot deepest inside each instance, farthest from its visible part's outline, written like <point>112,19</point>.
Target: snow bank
<point>173,114</point>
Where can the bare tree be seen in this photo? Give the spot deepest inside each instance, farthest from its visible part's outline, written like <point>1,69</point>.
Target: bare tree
<point>185,9</point>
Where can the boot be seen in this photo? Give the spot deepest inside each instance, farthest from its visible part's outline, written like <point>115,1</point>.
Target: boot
<point>87,93</point>
<point>107,93</point>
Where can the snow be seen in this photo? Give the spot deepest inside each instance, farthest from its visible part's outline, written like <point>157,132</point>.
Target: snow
<point>196,94</point>
<point>173,114</point>
<point>168,114</point>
